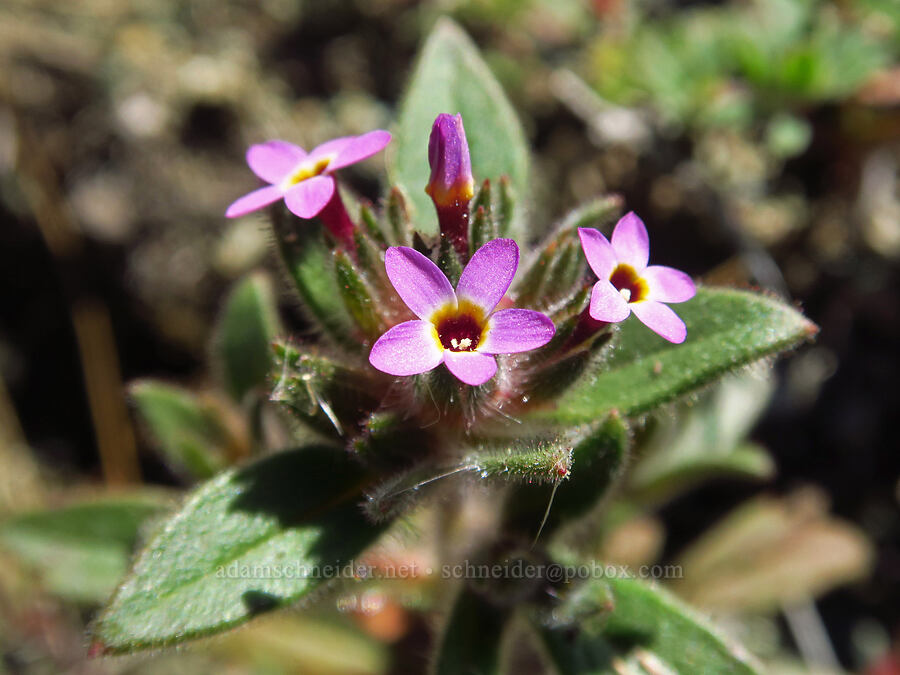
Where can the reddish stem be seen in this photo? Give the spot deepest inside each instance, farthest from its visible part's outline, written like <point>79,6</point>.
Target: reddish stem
<point>454,223</point>
<point>337,220</point>
<point>587,327</point>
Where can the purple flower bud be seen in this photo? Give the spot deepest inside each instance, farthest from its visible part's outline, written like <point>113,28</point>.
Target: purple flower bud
<point>451,185</point>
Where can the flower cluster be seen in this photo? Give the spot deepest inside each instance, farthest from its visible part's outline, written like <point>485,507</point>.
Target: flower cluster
<point>462,327</point>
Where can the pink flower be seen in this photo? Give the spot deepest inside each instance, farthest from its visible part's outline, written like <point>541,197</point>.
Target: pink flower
<point>303,180</point>
<point>461,328</point>
<point>628,285</point>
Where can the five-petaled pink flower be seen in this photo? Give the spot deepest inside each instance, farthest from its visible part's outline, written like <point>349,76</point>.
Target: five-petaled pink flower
<point>461,328</point>
<point>303,180</point>
<point>626,284</point>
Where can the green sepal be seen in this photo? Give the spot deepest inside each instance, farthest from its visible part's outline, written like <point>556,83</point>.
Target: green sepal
<point>552,272</point>
<point>506,206</point>
<point>369,256</point>
<point>310,263</point>
<point>328,394</point>
<point>449,262</point>
<point>594,213</point>
<point>397,215</point>
<point>483,228</point>
<point>535,461</point>
<point>371,225</point>
<point>358,296</point>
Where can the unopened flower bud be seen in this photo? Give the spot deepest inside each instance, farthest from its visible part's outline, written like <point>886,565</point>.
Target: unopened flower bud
<point>451,185</point>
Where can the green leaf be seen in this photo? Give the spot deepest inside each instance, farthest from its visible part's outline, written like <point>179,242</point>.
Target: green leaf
<point>704,440</point>
<point>189,434</point>
<point>639,625</point>
<point>727,329</point>
<point>451,77</point>
<point>472,637</point>
<point>246,542</point>
<point>80,551</point>
<point>649,618</point>
<point>242,343</point>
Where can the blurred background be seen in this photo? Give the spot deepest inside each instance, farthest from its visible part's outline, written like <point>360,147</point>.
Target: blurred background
<point>758,139</point>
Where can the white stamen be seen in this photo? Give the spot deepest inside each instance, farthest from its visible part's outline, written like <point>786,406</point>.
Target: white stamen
<point>454,343</point>
<point>626,293</point>
<point>465,343</point>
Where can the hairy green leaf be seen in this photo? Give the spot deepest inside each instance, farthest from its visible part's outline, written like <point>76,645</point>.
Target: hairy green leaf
<point>727,329</point>
<point>451,77</point>
<point>246,542</point>
<point>640,625</point>
<point>648,618</point>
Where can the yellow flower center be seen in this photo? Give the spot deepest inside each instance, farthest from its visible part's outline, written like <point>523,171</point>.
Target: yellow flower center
<point>626,280</point>
<point>459,328</point>
<point>307,169</point>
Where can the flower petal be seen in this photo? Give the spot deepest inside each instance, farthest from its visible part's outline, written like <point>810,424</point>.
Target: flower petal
<point>489,273</point>
<point>667,284</point>
<point>418,281</point>
<point>308,197</point>
<point>408,348</point>
<point>334,147</point>
<point>598,251</point>
<point>361,147</point>
<point>607,304</point>
<point>631,242</point>
<point>254,201</point>
<point>471,367</point>
<point>660,319</point>
<point>274,160</point>
<point>516,330</point>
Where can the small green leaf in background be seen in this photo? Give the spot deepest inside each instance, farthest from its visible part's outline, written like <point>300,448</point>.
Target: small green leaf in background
<point>243,339</point>
<point>246,542</point>
<point>726,329</point>
<point>190,435</point>
<point>451,77</point>
<point>472,637</point>
<point>80,551</point>
<point>771,552</point>
<point>704,440</point>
